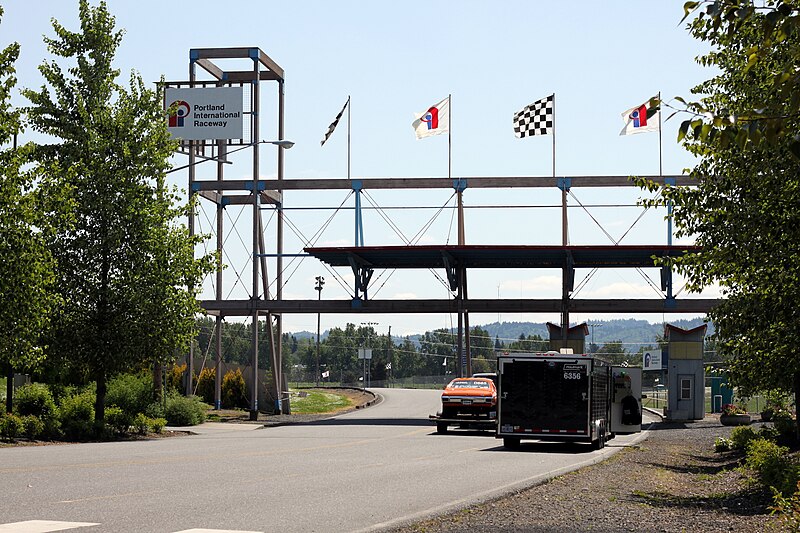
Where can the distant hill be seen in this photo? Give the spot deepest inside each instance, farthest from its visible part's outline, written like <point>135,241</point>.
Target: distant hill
<point>631,332</point>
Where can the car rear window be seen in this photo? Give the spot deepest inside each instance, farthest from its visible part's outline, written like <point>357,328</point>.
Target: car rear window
<point>470,384</point>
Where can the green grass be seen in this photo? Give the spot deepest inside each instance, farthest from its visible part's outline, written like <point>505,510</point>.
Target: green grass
<point>319,402</point>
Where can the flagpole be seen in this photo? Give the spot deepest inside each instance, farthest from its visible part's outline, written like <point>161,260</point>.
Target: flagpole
<point>449,136</point>
<point>660,167</point>
<point>348,136</point>
<point>564,232</point>
<point>564,241</point>
<point>669,202</point>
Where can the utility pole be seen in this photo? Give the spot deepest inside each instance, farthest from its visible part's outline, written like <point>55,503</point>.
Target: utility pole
<point>367,369</point>
<point>391,352</point>
<point>318,288</point>
<point>594,346</point>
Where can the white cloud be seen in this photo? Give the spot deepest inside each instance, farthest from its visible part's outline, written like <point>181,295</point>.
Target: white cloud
<point>620,289</point>
<point>405,296</point>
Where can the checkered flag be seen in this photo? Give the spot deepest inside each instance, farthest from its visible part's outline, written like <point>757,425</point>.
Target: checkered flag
<point>536,118</point>
<point>334,123</point>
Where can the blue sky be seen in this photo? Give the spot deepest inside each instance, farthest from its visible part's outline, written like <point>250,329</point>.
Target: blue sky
<point>396,58</point>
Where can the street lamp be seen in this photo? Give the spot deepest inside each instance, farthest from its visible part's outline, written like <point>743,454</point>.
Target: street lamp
<point>318,288</point>
<point>594,346</point>
<point>281,143</point>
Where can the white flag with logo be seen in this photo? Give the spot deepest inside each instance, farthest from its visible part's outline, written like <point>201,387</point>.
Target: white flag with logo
<point>326,374</point>
<point>434,121</point>
<point>642,118</point>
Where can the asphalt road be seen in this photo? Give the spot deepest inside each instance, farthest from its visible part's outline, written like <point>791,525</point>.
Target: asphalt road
<point>362,471</point>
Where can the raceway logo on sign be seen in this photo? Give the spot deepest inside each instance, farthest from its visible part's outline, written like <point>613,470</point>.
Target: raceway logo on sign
<point>205,113</point>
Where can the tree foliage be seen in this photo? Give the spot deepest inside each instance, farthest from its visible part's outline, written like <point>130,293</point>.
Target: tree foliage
<point>126,266</point>
<point>761,39</point>
<point>26,266</point>
<point>744,211</point>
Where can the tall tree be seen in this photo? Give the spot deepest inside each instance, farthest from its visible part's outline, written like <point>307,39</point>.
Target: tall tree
<point>26,266</point>
<point>439,342</point>
<point>744,211</point>
<point>126,265</point>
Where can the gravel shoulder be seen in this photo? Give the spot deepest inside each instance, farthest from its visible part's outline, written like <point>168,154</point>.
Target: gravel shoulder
<point>672,481</point>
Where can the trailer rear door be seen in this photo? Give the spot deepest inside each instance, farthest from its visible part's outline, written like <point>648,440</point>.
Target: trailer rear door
<point>544,396</point>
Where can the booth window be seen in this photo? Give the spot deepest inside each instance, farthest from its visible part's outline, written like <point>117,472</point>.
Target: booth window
<point>686,389</point>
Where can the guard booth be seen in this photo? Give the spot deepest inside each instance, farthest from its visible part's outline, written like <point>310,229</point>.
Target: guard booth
<point>686,375</point>
<point>576,337</point>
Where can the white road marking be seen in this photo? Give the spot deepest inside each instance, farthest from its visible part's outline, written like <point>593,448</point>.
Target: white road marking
<point>42,526</point>
<point>216,531</point>
<point>46,526</point>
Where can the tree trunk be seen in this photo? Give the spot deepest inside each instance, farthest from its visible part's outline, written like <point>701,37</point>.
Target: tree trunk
<point>100,400</point>
<point>797,401</point>
<point>158,382</point>
<point>9,388</point>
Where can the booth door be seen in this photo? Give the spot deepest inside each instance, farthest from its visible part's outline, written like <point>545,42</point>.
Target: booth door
<point>686,394</point>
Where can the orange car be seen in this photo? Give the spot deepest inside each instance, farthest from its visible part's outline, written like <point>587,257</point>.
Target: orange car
<point>466,400</point>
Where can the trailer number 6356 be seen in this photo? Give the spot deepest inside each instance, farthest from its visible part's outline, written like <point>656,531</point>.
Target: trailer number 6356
<point>572,375</point>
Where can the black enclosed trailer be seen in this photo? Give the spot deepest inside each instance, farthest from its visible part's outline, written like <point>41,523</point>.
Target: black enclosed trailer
<point>550,396</point>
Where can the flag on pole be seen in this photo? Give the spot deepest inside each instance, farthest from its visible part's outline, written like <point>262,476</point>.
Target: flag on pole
<point>326,374</point>
<point>334,123</point>
<point>642,118</point>
<point>434,121</point>
<point>536,118</point>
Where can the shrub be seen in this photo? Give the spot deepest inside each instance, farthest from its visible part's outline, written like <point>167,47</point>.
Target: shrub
<point>32,426</point>
<point>52,429</point>
<point>141,423</point>
<point>185,411</point>
<point>117,419</point>
<point>35,399</point>
<point>155,410</point>
<point>234,390</point>
<point>205,385</point>
<point>788,508</point>
<point>77,414</point>
<point>175,378</point>
<point>773,465</point>
<point>10,426</point>
<point>158,424</point>
<point>769,433</point>
<point>785,425</point>
<point>721,444</point>
<point>130,392</point>
<point>742,435</point>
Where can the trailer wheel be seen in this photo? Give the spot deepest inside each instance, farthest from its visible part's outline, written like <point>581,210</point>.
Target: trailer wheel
<point>512,443</point>
<point>441,428</point>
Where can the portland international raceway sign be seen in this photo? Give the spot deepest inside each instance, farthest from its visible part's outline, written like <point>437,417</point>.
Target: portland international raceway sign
<point>207,113</point>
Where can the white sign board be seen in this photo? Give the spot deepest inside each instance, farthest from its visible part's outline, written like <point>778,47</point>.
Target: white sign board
<point>651,360</point>
<point>205,113</point>
<point>365,353</point>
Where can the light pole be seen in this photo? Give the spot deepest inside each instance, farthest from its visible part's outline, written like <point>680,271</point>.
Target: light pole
<point>594,346</point>
<point>318,288</point>
<point>365,375</point>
